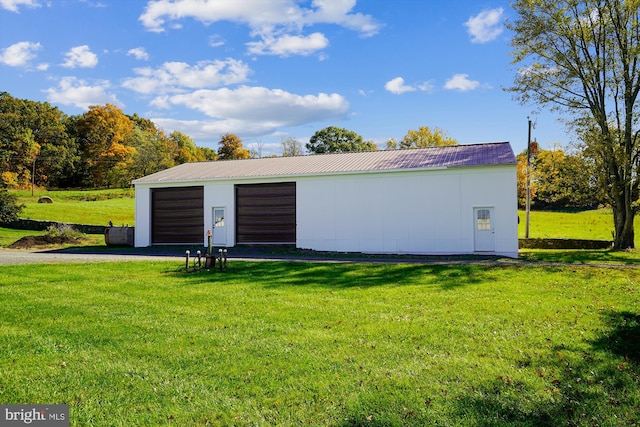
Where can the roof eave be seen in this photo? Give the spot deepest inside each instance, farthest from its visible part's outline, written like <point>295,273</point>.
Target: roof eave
<point>305,175</point>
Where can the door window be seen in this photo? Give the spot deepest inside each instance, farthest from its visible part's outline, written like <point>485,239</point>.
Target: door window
<point>218,217</point>
<point>483,219</point>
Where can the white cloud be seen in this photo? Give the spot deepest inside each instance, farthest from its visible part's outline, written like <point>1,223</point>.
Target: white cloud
<point>278,23</point>
<point>80,56</point>
<point>12,5</point>
<point>176,76</point>
<point>398,87</point>
<point>94,4</point>
<point>162,102</point>
<point>255,110</point>
<point>426,87</point>
<point>462,83</point>
<point>216,40</point>
<point>259,103</point>
<point>256,13</point>
<point>73,91</point>
<point>19,54</point>
<point>139,53</point>
<point>289,45</point>
<point>486,26</point>
<point>339,12</point>
<point>208,130</point>
<point>259,14</point>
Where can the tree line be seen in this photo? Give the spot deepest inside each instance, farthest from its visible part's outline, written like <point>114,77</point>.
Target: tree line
<point>101,148</point>
<point>559,179</point>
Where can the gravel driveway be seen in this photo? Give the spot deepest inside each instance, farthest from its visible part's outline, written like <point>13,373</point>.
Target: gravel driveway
<point>12,256</point>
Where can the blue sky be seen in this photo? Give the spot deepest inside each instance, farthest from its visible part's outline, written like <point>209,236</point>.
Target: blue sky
<point>268,69</point>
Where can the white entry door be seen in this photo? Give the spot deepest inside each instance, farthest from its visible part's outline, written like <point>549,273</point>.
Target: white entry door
<point>484,230</point>
<point>219,227</point>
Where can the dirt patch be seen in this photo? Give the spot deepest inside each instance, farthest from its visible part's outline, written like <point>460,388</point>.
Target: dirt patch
<point>29,242</point>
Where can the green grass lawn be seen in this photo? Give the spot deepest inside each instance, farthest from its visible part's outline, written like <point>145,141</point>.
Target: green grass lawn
<point>277,343</point>
<point>80,207</point>
<point>592,224</point>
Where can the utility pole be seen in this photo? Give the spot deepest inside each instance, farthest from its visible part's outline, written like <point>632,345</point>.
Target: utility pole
<point>528,206</point>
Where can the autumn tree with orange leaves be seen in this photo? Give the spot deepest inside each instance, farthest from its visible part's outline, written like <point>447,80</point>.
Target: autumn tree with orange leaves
<point>231,148</point>
<point>103,131</point>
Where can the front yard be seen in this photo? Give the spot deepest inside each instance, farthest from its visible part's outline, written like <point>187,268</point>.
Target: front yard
<point>290,343</point>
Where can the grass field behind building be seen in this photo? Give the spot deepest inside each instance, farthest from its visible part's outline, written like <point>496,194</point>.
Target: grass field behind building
<point>95,207</point>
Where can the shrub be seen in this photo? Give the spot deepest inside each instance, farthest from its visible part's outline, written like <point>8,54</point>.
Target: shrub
<point>9,207</point>
<point>65,231</point>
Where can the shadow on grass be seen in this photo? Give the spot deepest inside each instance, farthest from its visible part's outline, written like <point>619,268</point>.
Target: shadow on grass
<point>597,387</point>
<point>580,256</point>
<point>278,274</point>
<point>286,266</point>
<point>623,339</point>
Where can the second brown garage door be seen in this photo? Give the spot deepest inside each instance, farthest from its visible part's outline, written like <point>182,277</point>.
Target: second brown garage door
<point>266,213</point>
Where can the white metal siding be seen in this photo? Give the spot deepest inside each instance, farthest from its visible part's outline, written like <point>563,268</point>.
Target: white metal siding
<point>419,212</point>
<point>428,212</point>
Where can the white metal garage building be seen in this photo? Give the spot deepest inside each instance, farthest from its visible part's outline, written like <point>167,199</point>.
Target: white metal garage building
<point>442,200</point>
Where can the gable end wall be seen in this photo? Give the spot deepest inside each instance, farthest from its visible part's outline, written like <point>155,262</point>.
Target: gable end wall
<point>420,212</point>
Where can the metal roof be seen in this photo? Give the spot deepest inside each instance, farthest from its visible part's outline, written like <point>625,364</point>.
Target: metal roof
<point>499,153</point>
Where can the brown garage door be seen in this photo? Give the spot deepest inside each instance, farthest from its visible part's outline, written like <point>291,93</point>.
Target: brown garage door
<point>177,215</point>
<point>266,213</point>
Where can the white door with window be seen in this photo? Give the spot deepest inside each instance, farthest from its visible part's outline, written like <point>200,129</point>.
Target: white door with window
<point>484,230</point>
<point>219,227</point>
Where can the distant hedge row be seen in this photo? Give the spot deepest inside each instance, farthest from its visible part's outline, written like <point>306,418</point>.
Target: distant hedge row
<point>564,244</point>
<point>29,224</point>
